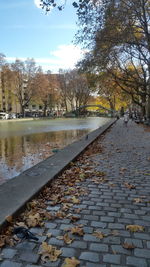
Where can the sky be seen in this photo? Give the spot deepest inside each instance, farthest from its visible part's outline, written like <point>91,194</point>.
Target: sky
<point>27,32</point>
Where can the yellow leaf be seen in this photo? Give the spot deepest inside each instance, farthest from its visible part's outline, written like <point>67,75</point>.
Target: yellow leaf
<point>99,235</point>
<point>49,252</point>
<point>75,200</point>
<point>77,230</point>
<point>67,239</point>
<point>34,220</point>
<point>135,228</point>
<point>71,262</point>
<point>82,176</point>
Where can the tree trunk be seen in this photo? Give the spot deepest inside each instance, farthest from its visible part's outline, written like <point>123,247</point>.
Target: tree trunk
<point>23,111</point>
<point>45,107</point>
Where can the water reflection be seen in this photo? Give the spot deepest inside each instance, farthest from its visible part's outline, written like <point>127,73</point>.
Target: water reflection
<point>20,152</point>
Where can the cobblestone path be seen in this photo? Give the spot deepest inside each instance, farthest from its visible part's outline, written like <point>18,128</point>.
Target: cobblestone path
<point>108,208</point>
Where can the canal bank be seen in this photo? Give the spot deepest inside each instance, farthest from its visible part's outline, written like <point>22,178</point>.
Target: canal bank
<point>15,193</point>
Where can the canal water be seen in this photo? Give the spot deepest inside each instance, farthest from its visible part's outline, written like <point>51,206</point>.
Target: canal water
<point>26,143</point>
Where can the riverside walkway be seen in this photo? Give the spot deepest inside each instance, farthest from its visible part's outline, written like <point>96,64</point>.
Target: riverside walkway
<point>111,199</point>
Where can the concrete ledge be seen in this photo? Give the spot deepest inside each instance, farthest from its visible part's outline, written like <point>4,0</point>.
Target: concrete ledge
<point>15,193</point>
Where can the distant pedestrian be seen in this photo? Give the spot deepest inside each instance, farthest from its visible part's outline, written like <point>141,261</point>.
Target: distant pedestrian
<point>126,119</point>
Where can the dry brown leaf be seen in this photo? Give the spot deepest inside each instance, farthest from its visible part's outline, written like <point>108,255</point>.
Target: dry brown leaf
<point>137,200</point>
<point>118,150</point>
<point>114,232</point>
<point>77,210</point>
<point>34,220</point>
<point>77,230</point>
<point>49,252</point>
<point>10,241</point>
<point>112,185</point>
<point>66,206</point>
<point>22,224</point>
<point>31,204</point>
<point>60,214</point>
<point>60,237</point>
<point>75,200</point>
<point>71,262</point>
<point>49,235</point>
<point>74,218</point>
<point>67,239</point>
<point>129,186</point>
<point>135,228</point>
<point>9,218</point>
<point>99,235</point>
<point>128,246</point>
<point>122,170</point>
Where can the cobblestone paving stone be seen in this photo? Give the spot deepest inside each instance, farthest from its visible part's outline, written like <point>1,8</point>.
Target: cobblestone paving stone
<point>108,207</point>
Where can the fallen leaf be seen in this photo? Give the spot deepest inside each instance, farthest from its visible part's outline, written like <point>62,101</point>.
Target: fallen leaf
<point>82,176</point>
<point>34,220</point>
<point>22,224</point>
<point>66,206</point>
<point>75,200</point>
<point>74,218</point>
<point>114,232</point>
<point>49,252</point>
<point>71,262</point>
<point>135,228</point>
<point>111,185</point>
<point>77,210</point>
<point>122,170</point>
<point>99,235</point>
<point>67,239</point>
<point>77,230</point>
<point>9,218</point>
<point>60,214</point>
<point>49,235</point>
<point>128,246</point>
<point>60,237</point>
<point>130,186</point>
<point>137,200</point>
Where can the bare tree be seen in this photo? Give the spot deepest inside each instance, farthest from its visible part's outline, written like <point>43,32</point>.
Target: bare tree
<point>23,74</point>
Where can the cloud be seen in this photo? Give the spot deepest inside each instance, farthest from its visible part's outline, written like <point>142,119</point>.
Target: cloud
<point>67,55</point>
<point>37,3</point>
<point>64,57</point>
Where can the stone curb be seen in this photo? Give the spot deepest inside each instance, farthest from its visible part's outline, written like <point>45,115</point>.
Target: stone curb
<point>15,193</point>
